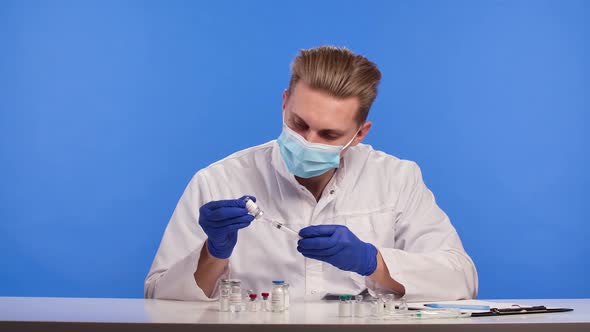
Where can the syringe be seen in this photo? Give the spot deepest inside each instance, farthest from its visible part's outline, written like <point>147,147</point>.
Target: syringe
<point>257,213</point>
<point>285,229</point>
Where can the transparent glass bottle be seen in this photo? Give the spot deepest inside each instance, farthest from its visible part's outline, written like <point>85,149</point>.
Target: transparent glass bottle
<point>359,306</point>
<point>253,209</point>
<point>235,298</point>
<point>287,295</point>
<point>265,306</point>
<point>252,305</point>
<point>403,304</point>
<point>378,306</point>
<point>389,300</point>
<point>277,299</point>
<point>224,293</point>
<point>345,306</point>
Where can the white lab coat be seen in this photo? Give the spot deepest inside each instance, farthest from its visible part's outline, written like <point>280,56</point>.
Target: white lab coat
<point>380,198</point>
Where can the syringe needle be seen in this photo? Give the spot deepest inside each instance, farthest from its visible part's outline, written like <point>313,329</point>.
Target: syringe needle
<point>257,213</point>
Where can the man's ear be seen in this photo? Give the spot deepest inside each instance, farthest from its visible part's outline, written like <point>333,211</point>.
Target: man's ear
<point>285,95</point>
<point>360,136</point>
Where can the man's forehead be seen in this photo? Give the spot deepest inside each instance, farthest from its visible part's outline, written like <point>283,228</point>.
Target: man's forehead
<point>321,123</point>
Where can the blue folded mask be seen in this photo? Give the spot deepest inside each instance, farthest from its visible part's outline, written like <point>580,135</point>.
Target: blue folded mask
<point>305,159</point>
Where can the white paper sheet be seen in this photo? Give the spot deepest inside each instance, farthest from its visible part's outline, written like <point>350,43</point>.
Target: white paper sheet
<point>499,305</point>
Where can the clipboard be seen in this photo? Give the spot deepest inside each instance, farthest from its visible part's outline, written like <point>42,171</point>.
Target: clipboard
<point>519,311</point>
<point>336,297</point>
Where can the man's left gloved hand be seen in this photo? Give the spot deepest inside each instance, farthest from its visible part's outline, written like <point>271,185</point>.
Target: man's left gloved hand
<point>337,245</point>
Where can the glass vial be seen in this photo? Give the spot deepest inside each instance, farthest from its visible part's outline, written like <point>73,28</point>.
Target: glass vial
<point>252,305</point>
<point>378,306</point>
<point>359,306</point>
<point>389,300</point>
<point>403,304</point>
<point>277,300</point>
<point>287,296</point>
<point>235,298</point>
<point>345,306</point>
<point>253,209</point>
<point>265,302</point>
<point>224,294</point>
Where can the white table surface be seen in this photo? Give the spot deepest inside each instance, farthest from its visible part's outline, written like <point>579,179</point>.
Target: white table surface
<point>94,314</point>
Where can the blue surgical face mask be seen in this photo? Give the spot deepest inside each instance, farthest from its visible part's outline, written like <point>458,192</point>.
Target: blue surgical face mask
<point>305,159</point>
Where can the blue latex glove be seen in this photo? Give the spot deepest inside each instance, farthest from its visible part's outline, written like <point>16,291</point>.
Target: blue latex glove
<point>221,221</point>
<point>337,245</point>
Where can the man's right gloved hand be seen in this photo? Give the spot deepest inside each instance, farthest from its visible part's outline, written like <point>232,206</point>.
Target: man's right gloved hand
<point>221,221</point>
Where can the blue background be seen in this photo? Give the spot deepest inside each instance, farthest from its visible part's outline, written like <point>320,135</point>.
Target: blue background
<point>109,107</point>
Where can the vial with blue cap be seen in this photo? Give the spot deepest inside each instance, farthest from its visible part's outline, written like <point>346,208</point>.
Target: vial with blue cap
<point>277,296</point>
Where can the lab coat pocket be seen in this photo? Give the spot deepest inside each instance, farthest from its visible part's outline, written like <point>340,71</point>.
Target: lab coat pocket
<point>377,228</point>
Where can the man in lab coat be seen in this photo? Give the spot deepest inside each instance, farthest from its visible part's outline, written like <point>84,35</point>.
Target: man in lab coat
<point>366,218</point>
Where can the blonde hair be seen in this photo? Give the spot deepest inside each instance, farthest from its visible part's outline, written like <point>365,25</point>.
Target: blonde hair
<point>338,72</point>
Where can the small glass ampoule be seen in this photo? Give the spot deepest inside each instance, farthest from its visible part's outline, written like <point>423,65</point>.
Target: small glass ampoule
<point>359,306</point>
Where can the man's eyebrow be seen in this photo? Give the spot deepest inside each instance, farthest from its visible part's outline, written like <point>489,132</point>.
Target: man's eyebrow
<point>332,131</point>
<point>298,118</point>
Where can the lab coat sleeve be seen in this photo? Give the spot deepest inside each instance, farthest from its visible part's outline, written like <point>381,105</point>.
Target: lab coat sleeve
<point>171,275</point>
<point>428,257</point>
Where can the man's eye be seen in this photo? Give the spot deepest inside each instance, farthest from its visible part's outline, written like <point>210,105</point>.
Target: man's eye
<point>330,137</point>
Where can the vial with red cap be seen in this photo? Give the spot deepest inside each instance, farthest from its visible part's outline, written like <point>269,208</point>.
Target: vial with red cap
<point>252,305</point>
<point>265,302</point>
